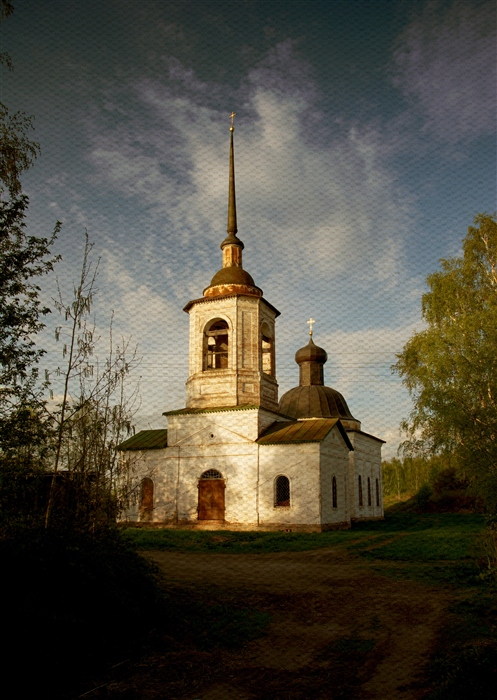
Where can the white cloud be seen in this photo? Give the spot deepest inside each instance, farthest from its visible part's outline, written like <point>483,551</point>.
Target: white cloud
<point>446,67</point>
<point>307,203</point>
<point>323,219</point>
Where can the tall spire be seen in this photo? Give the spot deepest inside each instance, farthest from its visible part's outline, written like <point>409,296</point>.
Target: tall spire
<point>232,229</point>
<point>232,278</point>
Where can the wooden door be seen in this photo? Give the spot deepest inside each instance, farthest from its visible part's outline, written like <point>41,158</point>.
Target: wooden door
<point>211,499</point>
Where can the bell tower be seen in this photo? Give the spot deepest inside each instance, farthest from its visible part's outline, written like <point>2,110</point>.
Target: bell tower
<point>232,330</point>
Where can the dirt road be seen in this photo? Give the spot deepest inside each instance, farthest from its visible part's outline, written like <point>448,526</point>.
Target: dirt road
<point>338,629</point>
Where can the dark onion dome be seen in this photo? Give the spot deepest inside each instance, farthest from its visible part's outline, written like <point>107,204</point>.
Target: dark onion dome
<point>311,353</point>
<point>311,399</point>
<point>317,401</point>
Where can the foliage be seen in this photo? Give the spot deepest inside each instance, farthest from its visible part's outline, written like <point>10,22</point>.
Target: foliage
<point>17,151</point>
<point>423,496</point>
<point>450,368</point>
<point>448,480</point>
<point>22,259</point>
<point>92,416</point>
<point>402,478</point>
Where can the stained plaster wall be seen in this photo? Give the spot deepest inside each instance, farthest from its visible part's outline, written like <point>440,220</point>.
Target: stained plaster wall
<point>365,460</point>
<point>334,462</point>
<point>154,465</point>
<point>225,441</point>
<point>243,382</point>
<point>300,463</point>
<point>248,423</point>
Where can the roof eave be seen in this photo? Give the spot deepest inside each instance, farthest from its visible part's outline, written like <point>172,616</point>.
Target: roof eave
<point>203,300</point>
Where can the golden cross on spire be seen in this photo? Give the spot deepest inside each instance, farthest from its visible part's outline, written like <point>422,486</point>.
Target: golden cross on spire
<point>311,322</point>
<point>232,117</point>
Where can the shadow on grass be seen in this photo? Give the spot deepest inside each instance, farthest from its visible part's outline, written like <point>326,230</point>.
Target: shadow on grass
<point>75,605</point>
<point>465,665</point>
<point>425,537</point>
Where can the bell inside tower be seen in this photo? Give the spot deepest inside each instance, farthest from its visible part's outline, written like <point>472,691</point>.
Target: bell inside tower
<point>216,345</point>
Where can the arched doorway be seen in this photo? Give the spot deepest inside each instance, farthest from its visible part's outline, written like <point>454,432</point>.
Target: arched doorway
<point>211,496</point>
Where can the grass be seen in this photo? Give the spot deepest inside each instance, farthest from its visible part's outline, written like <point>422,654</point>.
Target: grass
<point>465,664</point>
<point>228,542</point>
<point>400,537</point>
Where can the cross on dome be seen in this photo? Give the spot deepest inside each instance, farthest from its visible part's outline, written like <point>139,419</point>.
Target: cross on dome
<point>311,322</point>
<point>232,117</point>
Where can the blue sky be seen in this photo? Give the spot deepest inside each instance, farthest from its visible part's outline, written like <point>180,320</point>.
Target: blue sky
<point>365,145</point>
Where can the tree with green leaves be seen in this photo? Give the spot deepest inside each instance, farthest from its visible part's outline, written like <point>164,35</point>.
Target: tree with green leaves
<point>450,368</point>
<point>23,260</point>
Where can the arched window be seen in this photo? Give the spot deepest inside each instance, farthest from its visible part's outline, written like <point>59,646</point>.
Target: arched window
<point>216,345</point>
<point>334,492</point>
<point>267,350</point>
<point>377,492</point>
<point>281,491</point>
<point>359,484</point>
<point>146,498</point>
<point>212,474</point>
<point>369,491</point>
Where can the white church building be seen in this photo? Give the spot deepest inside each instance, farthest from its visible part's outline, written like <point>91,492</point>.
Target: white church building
<point>235,457</point>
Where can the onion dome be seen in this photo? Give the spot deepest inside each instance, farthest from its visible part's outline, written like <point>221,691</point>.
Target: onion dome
<point>311,353</point>
<point>311,399</point>
<point>317,401</point>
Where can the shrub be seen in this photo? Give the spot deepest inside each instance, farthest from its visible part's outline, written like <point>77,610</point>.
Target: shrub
<point>448,480</point>
<point>423,496</point>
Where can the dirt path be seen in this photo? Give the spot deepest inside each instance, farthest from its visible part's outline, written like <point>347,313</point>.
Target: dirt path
<point>338,630</point>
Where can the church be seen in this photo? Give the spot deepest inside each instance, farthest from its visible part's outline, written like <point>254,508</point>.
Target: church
<point>236,457</point>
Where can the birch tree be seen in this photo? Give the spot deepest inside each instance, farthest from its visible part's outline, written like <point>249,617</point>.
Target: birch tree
<point>450,368</point>
<point>93,412</point>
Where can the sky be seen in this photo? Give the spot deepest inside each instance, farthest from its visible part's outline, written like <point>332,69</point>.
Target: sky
<point>364,147</point>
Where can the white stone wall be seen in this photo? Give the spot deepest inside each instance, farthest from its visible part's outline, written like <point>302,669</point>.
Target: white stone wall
<point>249,424</point>
<point>226,441</point>
<point>334,462</point>
<point>243,382</point>
<point>154,465</point>
<point>234,456</point>
<point>300,463</point>
<point>365,460</point>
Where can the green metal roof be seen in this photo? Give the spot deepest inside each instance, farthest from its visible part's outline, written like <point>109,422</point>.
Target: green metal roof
<point>145,440</point>
<point>312,430</point>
